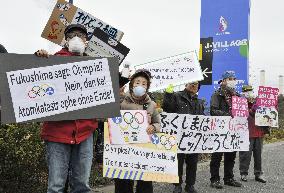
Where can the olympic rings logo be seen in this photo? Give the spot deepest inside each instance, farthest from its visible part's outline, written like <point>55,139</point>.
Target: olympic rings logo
<point>40,91</point>
<point>129,120</point>
<point>167,141</point>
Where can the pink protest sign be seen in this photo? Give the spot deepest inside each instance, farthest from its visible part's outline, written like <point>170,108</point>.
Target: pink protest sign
<point>239,107</point>
<point>267,96</point>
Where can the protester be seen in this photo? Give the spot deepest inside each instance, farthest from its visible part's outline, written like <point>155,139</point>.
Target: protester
<point>69,144</point>
<point>221,105</point>
<point>138,99</point>
<point>185,102</point>
<point>256,134</point>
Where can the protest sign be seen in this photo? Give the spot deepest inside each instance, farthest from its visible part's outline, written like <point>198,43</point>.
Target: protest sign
<point>239,107</point>
<point>65,13</point>
<point>266,116</point>
<point>206,134</point>
<point>267,96</point>
<point>156,161</point>
<point>101,45</point>
<point>58,88</point>
<point>174,70</point>
<point>129,128</point>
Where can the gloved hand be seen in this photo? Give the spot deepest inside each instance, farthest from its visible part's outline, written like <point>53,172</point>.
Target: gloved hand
<point>170,89</point>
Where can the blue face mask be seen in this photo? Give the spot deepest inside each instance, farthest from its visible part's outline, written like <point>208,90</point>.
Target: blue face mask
<point>139,91</point>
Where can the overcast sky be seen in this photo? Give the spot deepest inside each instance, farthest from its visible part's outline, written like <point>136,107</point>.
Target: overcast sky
<point>152,29</point>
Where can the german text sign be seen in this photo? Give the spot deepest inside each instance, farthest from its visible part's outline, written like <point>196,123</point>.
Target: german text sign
<point>207,134</point>
<point>45,91</point>
<point>154,161</point>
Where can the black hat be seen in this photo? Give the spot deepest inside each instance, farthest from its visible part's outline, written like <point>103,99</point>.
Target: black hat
<point>71,27</point>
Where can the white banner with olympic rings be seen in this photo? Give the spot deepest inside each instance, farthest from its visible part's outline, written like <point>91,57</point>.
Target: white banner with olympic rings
<point>129,128</point>
<point>45,91</point>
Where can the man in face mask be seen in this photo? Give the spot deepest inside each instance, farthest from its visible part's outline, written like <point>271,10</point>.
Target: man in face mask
<point>185,102</point>
<point>69,143</point>
<point>221,105</point>
<point>76,42</point>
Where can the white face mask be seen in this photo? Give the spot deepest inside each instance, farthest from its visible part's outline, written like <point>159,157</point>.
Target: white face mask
<point>76,45</point>
<point>139,91</point>
<point>231,83</point>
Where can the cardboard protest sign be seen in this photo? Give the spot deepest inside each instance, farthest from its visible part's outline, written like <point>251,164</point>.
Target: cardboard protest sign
<point>65,13</point>
<point>156,161</point>
<point>58,88</point>
<point>206,134</point>
<point>266,116</point>
<point>174,70</point>
<point>129,128</point>
<point>101,45</point>
<point>267,96</point>
<point>239,107</point>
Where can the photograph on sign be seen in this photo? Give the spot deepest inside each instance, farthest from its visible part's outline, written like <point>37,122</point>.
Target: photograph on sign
<point>154,161</point>
<point>176,70</point>
<point>65,14</point>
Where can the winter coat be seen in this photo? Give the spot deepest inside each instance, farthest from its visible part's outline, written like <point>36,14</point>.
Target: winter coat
<point>71,131</point>
<point>183,103</point>
<point>218,104</point>
<point>147,104</point>
<point>254,130</point>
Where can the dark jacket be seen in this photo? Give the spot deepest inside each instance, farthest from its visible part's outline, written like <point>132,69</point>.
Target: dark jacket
<point>182,103</point>
<point>218,104</point>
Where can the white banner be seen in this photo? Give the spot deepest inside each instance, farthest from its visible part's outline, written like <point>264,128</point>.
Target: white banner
<point>129,128</point>
<point>50,90</point>
<point>206,134</point>
<point>266,116</point>
<point>176,70</point>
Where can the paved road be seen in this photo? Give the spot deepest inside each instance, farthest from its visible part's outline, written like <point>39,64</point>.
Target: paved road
<point>273,166</point>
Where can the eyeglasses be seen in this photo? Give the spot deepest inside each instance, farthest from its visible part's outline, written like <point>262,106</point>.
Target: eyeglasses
<point>78,34</point>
